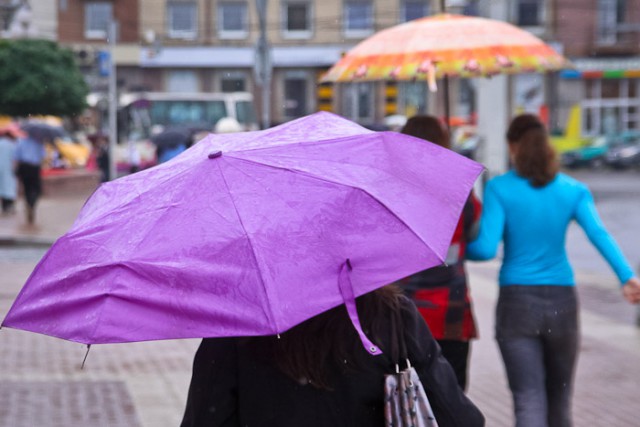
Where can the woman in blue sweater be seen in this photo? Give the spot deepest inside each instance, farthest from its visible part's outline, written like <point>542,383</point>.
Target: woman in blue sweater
<point>529,209</point>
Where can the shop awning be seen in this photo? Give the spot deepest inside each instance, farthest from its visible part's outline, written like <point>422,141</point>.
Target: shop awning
<point>603,68</point>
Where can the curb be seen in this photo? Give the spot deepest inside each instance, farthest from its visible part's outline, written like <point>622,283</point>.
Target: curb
<point>26,241</point>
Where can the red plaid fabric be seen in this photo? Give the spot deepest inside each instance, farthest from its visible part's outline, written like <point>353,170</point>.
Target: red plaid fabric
<point>441,293</point>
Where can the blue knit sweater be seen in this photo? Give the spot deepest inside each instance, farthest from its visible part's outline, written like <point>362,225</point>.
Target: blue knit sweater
<point>532,223</point>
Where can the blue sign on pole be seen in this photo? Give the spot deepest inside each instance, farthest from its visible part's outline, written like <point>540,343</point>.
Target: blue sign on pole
<point>104,60</point>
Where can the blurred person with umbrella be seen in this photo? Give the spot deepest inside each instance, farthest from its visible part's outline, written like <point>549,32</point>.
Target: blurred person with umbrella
<point>441,293</point>
<point>30,154</point>
<point>9,134</point>
<point>171,142</point>
<point>43,132</point>
<point>252,233</point>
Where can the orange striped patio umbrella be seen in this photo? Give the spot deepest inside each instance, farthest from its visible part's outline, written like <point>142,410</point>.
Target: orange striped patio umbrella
<point>446,45</point>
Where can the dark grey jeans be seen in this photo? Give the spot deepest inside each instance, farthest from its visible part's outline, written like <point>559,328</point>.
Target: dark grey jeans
<point>537,331</point>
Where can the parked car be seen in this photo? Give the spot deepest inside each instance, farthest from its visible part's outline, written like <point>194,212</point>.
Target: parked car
<point>624,156</point>
<point>591,155</point>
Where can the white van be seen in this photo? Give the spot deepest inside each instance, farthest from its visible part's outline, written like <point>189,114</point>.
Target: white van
<point>142,114</point>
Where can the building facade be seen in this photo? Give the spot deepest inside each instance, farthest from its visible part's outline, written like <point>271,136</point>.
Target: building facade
<point>28,19</point>
<point>210,46</point>
<point>602,38</point>
<point>200,45</point>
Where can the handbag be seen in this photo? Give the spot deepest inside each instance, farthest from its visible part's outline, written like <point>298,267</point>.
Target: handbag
<point>405,401</point>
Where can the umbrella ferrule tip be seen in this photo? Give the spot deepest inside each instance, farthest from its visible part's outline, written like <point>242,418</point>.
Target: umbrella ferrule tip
<point>215,154</point>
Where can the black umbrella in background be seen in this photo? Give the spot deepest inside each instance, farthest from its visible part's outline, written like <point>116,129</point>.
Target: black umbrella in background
<point>43,132</point>
<point>172,137</point>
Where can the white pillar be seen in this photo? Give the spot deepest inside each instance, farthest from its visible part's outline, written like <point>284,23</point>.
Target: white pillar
<point>493,117</point>
<point>493,105</point>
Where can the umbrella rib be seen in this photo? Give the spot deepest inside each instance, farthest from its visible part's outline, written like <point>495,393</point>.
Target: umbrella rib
<point>253,251</point>
<point>328,140</point>
<point>324,179</point>
<point>123,205</point>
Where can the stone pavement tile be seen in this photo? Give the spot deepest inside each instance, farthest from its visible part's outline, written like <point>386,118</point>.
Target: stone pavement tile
<point>66,404</point>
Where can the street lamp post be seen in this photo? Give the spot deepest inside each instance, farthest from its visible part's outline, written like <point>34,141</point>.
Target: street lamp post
<point>263,63</point>
<point>113,101</point>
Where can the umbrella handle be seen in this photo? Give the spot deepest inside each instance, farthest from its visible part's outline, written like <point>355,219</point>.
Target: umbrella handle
<point>346,289</point>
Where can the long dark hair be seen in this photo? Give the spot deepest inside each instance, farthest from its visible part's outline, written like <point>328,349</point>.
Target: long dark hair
<point>429,128</point>
<point>534,157</point>
<point>303,352</point>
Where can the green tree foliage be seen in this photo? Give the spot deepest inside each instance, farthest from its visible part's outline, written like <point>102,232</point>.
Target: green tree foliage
<point>37,77</point>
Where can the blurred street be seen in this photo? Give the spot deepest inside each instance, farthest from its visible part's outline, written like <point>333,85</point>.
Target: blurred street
<point>145,384</point>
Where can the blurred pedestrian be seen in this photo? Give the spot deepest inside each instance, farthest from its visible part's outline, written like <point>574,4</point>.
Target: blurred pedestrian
<point>172,141</point>
<point>529,209</point>
<point>29,156</point>
<point>319,374</point>
<point>100,151</point>
<point>9,134</point>
<point>441,293</point>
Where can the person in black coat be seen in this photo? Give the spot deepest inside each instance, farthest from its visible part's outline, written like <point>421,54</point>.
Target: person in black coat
<point>319,374</point>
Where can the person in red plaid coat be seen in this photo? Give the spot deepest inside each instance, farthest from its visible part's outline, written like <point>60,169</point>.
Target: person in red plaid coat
<point>441,293</point>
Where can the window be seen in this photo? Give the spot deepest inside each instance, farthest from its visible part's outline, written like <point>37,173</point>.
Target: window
<point>232,20</point>
<point>358,102</point>
<point>182,81</point>
<point>296,18</point>
<point>610,15</point>
<point>97,17</point>
<point>296,94</point>
<point>412,97</point>
<point>413,9</point>
<point>529,13</point>
<point>472,8</point>
<point>181,19</point>
<point>358,18</point>
<point>233,81</point>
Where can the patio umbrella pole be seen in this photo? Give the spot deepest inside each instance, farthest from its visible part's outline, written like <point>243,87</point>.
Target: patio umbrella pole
<point>445,84</point>
<point>447,114</point>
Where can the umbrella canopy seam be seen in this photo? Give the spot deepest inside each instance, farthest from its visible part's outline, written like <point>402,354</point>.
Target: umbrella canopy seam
<point>274,319</point>
<point>327,141</point>
<point>124,204</point>
<point>250,136</point>
<point>311,175</point>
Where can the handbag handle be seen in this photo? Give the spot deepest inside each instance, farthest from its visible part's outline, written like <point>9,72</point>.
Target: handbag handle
<point>398,344</point>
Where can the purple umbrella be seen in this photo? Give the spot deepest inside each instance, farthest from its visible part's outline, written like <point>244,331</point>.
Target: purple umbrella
<point>248,234</point>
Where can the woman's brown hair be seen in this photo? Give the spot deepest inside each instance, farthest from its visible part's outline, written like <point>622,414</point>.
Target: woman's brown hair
<point>534,158</point>
<point>303,352</point>
<point>429,128</point>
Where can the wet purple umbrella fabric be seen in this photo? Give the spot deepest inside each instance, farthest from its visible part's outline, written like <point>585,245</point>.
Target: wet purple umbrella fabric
<point>248,234</point>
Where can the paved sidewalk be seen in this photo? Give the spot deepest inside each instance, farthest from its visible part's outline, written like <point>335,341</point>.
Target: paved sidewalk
<point>55,212</point>
<point>145,384</point>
